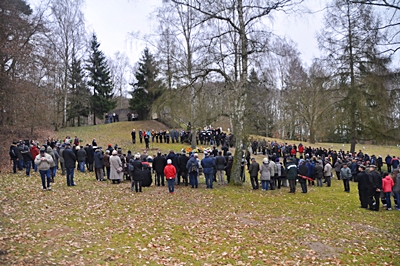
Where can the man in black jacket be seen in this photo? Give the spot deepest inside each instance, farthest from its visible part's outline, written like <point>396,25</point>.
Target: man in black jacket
<point>183,171</point>
<point>69,161</point>
<point>254,168</point>
<point>375,188</point>
<point>159,162</point>
<point>363,186</point>
<point>303,171</point>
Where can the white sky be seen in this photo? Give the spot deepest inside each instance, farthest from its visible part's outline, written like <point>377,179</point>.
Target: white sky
<point>113,20</point>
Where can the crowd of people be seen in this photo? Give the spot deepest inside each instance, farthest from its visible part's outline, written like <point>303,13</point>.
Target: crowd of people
<point>283,165</point>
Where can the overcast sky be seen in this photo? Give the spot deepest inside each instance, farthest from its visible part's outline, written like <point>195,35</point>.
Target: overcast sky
<point>114,20</point>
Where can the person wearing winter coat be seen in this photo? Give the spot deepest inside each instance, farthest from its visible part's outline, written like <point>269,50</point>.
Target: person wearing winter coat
<point>99,164</point>
<point>170,174</point>
<point>43,162</point>
<point>345,175</point>
<point>318,173</point>
<point>53,164</point>
<point>117,171</point>
<point>303,171</point>
<point>265,176</point>
<point>228,168</point>
<point>106,162</point>
<point>387,186</point>
<point>89,157</point>
<point>34,152</point>
<point>69,161</point>
<point>375,188</point>
<point>388,161</point>
<point>81,156</point>
<point>328,173</point>
<point>56,159</point>
<point>254,168</point>
<point>135,173</point>
<point>27,160</point>
<point>208,165</point>
<point>220,163</point>
<point>278,173</point>
<point>182,161</point>
<point>338,167</point>
<point>159,163</point>
<point>396,188</point>
<point>291,170</point>
<point>192,167</point>
<point>14,156</point>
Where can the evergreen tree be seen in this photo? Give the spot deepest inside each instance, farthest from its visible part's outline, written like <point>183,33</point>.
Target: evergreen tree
<point>148,88</point>
<point>79,99</point>
<point>100,81</point>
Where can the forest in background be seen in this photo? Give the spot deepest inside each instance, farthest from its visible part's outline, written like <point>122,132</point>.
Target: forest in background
<point>207,60</point>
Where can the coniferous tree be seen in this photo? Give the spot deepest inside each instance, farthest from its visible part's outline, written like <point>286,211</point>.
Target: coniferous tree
<point>79,99</point>
<point>100,82</point>
<point>148,88</point>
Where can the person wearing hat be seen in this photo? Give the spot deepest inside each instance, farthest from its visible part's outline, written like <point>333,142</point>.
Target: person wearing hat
<point>69,161</point>
<point>291,170</point>
<point>375,188</point>
<point>363,181</point>
<point>208,165</point>
<point>43,162</point>
<point>117,171</point>
<point>265,174</point>
<point>345,175</point>
<point>170,174</point>
<point>192,167</point>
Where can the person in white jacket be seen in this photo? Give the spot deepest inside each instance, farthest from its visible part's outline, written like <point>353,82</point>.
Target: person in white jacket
<point>328,173</point>
<point>43,161</point>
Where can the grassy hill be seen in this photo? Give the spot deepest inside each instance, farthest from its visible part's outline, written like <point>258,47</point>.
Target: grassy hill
<point>98,223</point>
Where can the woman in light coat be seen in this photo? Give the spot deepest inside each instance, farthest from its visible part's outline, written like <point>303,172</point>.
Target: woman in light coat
<point>265,174</point>
<point>117,171</point>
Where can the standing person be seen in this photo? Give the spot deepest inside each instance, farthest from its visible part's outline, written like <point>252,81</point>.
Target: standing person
<point>117,171</point>
<point>133,135</point>
<point>328,173</point>
<point>34,152</point>
<point>388,161</point>
<point>56,159</point>
<point>291,174</point>
<point>62,163</point>
<point>387,186</point>
<point>375,188</point>
<point>303,171</point>
<point>147,140</point>
<point>243,162</point>
<point>140,136</point>
<point>170,174</point>
<point>318,173</point>
<point>159,163</point>
<point>135,172</point>
<point>254,168</point>
<point>81,155</point>
<point>90,157</point>
<point>192,167</point>
<point>338,167</point>
<point>53,164</point>
<point>265,174</point>
<point>182,161</point>
<point>278,173</point>
<point>106,162</point>
<point>363,185</point>
<point>27,160</point>
<point>208,165</point>
<point>228,168</point>
<point>99,164</point>
<point>396,188</point>
<point>345,175</point>
<point>14,156</point>
<point>43,161</point>
<point>69,161</point>
<point>220,163</point>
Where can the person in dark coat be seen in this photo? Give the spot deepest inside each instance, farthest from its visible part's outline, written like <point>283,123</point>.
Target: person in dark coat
<point>81,157</point>
<point>254,168</point>
<point>192,167</point>
<point>99,164</point>
<point>291,174</point>
<point>303,171</point>
<point>208,165</point>
<point>363,186</point>
<point>135,173</point>
<point>14,156</point>
<point>375,188</point>
<point>69,161</point>
<point>220,163</point>
<point>90,157</point>
<point>133,135</point>
<point>318,173</point>
<point>228,168</point>
<point>159,162</point>
<point>174,158</point>
<point>27,160</point>
<point>182,161</point>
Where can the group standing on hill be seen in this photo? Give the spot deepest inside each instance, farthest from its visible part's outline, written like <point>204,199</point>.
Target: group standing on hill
<point>281,167</point>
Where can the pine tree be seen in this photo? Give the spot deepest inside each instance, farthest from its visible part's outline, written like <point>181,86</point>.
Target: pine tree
<point>100,81</point>
<point>79,98</point>
<point>148,88</point>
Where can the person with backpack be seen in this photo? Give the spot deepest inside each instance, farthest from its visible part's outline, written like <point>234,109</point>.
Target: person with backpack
<point>192,167</point>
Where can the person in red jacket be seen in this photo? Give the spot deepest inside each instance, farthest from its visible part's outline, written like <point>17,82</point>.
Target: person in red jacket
<point>387,186</point>
<point>170,173</point>
<point>34,152</point>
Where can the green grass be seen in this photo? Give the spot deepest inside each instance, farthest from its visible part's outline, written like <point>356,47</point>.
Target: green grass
<point>98,223</point>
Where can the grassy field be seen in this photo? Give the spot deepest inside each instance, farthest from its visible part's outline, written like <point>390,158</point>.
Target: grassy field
<point>98,223</point>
